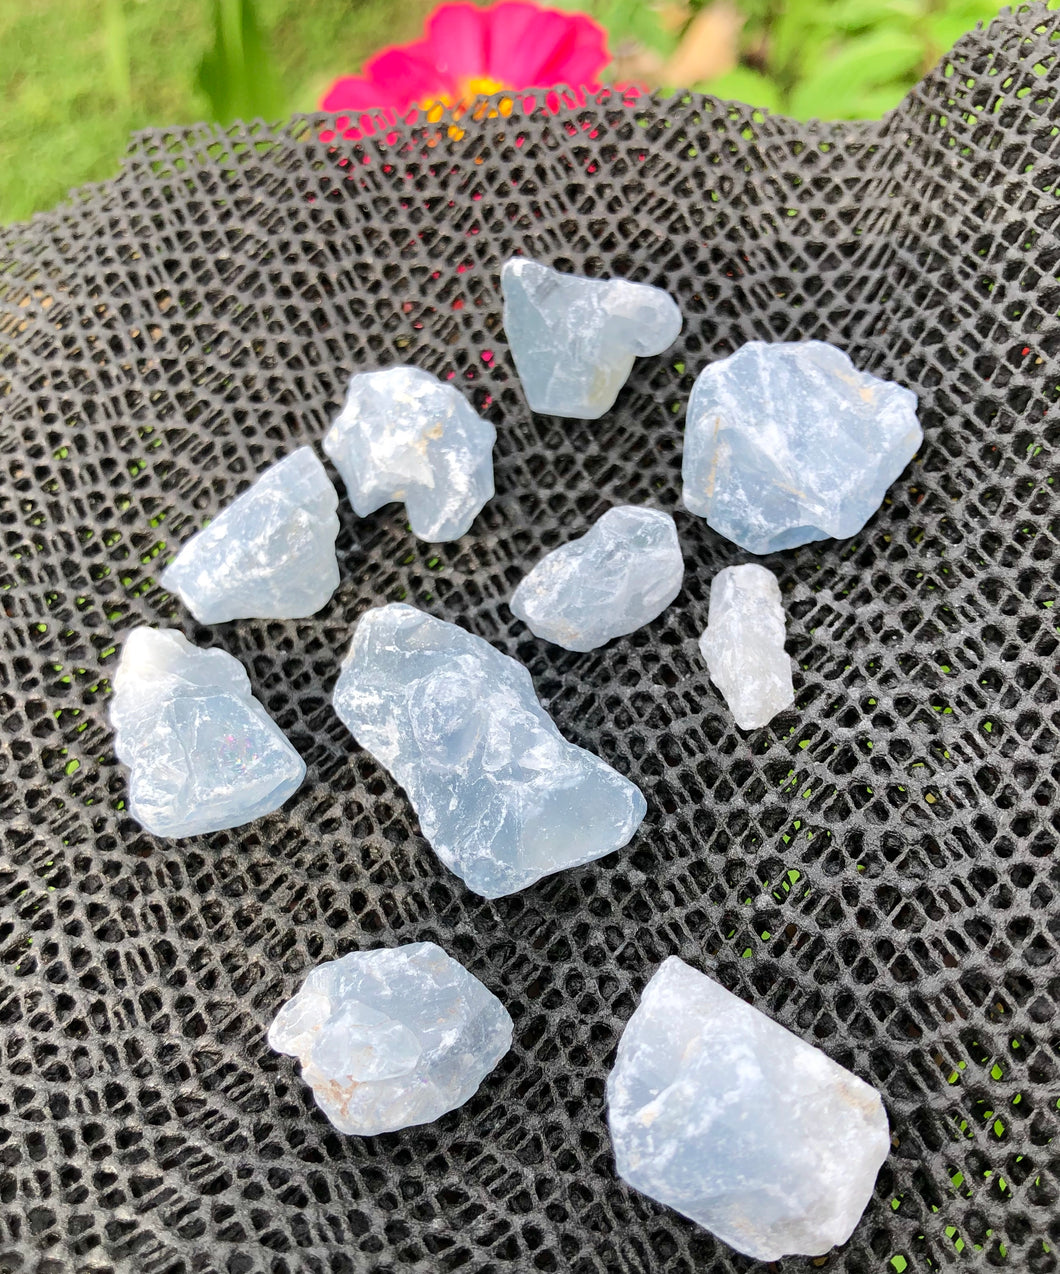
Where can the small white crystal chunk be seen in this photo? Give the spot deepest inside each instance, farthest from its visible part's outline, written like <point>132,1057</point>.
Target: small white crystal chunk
<point>393,1037</point>
<point>721,1113</point>
<point>202,752</point>
<point>788,443</point>
<point>620,575</point>
<point>502,797</point>
<point>574,339</point>
<point>270,554</point>
<point>743,644</point>
<point>403,434</point>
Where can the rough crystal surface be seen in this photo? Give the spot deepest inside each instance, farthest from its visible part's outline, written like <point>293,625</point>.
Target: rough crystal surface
<point>721,1113</point>
<point>203,753</point>
<point>743,644</point>
<point>502,797</point>
<point>404,435</point>
<point>574,339</point>
<point>270,554</point>
<point>392,1037</point>
<point>788,443</point>
<point>620,575</point>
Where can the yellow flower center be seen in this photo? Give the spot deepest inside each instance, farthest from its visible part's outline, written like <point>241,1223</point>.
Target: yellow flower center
<point>474,86</point>
<point>481,86</point>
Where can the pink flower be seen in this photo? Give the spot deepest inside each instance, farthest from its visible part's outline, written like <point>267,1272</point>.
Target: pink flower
<point>467,51</point>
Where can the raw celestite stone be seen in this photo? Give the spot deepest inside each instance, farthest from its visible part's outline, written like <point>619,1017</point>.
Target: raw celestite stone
<point>743,644</point>
<point>393,1037</point>
<point>502,797</point>
<point>203,753</point>
<point>620,575</point>
<point>788,443</point>
<point>574,339</point>
<point>721,1113</point>
<point>404,435</point>
<point>270,554</point>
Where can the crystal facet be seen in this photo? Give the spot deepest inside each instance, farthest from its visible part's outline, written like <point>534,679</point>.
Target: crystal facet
<point>203,753</point>
<point>392,1037</point>
<point>404,435</point>
<point>270,554</point>
<point>574,339</point>
<point>723,1114</point>
<point>620,575</point>
<point>789,443</point>
<point>502,797</point>
<point>743,644</point>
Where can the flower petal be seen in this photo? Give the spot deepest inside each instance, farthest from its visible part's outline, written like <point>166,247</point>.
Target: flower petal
<point>408,73</point>
<point>509,51</point>
<point>535,48</point>
<point>457,36</point>
<point>352,93</point>
<point>581,55</point>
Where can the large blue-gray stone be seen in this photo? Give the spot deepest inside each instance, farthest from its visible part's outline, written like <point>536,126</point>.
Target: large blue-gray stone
<point>392,1037</point>
<point>404,435</point>
<point>723,1114</point>
<point>270,554</point>
<point>574,339</point>
<point>788,443</point>
<point>502,797</point>
<point>620,575</point>
<point>202,752</point>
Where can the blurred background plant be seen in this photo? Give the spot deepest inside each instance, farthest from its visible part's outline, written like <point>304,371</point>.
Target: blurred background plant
<point>830,59</point>
<point>76,76</point>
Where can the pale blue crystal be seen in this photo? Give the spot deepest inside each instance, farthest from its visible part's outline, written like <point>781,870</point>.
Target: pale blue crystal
<point>620,575</point>
<point>404,435</point>
<point>574,339</point>
<point>789,443</point>
<point>270,554</point>
<point>743,644</point>
<point>502,797</point>
<point>202,752</point>
<point>393,1037</point>
<point>723,1114</point>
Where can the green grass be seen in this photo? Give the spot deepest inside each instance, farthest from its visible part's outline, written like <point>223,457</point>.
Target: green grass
<point>77,76</point>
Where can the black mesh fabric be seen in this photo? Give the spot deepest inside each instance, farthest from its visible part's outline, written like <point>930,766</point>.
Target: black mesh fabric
<point>876,869</point>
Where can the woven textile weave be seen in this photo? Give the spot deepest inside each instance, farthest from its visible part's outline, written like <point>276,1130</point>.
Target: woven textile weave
<point>877,869</point>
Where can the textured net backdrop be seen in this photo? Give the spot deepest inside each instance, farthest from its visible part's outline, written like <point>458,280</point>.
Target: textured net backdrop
<point>876,869</point>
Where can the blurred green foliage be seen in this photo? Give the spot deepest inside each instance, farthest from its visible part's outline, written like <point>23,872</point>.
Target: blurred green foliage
<point>77,76</point>
<point>846,59</point>
<point>238,73</point>
<point>827,59</point>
